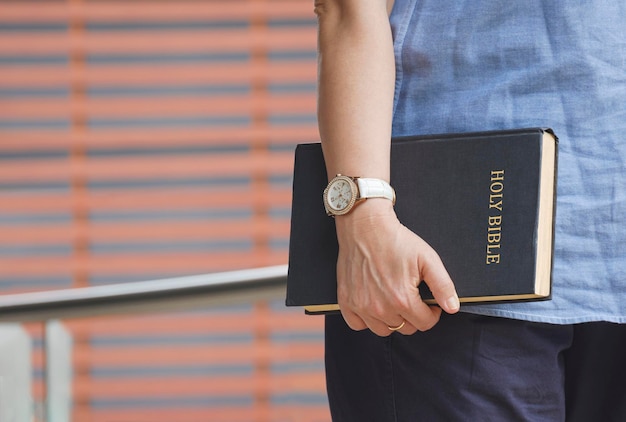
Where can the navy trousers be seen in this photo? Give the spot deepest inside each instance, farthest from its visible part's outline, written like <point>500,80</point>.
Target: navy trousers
<point>476,368</point>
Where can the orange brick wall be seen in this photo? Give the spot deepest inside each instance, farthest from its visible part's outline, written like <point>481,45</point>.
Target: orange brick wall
<point>153,138</point>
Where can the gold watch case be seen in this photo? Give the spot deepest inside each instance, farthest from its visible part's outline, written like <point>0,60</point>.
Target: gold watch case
<point>340,195</point>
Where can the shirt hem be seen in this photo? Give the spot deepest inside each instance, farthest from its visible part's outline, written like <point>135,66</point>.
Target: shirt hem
<point>533,317</point>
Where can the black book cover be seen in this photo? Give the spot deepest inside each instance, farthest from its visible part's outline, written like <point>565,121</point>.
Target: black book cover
<point>484,201</point>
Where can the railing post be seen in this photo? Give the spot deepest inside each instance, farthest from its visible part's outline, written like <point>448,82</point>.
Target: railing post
<point>58,350</point>
<point>16,402</point>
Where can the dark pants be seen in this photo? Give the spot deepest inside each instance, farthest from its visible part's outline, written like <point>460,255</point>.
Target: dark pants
<point>475,368</point>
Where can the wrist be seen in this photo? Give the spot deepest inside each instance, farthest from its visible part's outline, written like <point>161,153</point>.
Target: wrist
<point>367,216</point>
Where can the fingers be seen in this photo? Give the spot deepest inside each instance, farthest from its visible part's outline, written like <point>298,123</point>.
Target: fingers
<point>374,312</point>
<point>353,320</point>
<point>421,318</point>
<point>379,327</point>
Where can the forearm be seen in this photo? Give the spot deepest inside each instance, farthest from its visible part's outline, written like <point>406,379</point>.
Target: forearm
<point>356,87</point>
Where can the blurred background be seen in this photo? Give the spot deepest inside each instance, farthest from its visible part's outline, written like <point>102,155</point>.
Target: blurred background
<point>147,139</point>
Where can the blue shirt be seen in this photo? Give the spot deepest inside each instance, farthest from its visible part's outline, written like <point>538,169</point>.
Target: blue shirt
<point>492,64</point>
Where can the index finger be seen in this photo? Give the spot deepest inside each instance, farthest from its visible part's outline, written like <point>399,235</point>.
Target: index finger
<point>421,316</point>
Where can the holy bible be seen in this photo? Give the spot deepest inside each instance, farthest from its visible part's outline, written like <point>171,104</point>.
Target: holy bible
<point>485,201</point>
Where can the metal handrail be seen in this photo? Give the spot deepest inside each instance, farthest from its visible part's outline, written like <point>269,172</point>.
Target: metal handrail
<point>169,294</point>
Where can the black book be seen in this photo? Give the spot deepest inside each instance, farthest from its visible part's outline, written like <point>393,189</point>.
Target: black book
<point>485,201</point>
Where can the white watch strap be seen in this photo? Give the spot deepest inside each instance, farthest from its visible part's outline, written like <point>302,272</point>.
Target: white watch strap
<point>375,188</point>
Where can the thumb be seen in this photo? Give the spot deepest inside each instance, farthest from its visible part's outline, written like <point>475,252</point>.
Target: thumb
<point>436,276</point>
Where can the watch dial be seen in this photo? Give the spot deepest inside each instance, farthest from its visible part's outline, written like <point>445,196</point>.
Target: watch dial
<point>339,195</point>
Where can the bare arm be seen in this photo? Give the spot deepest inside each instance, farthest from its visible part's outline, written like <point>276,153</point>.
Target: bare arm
<point>380,261</point>
<point>356,83</point>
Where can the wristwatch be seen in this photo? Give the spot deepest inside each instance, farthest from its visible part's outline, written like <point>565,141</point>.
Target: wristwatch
<point>344,192</point>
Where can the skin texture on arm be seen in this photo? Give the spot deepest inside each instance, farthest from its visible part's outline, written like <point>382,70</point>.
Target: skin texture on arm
<point>380,261</point>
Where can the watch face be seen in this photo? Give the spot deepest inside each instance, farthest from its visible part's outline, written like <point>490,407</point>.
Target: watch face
<point>340,195</point>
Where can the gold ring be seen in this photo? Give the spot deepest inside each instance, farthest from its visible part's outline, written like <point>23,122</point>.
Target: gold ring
<point>399,327</point>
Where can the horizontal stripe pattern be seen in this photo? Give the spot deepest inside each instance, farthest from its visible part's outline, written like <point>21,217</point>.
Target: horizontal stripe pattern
<point>145,140</point>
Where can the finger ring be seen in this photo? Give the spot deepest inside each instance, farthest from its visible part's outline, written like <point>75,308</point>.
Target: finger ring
<point>399,327</point>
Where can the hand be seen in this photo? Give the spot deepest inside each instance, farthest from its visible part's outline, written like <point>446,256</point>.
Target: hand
<point>380,265</point>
